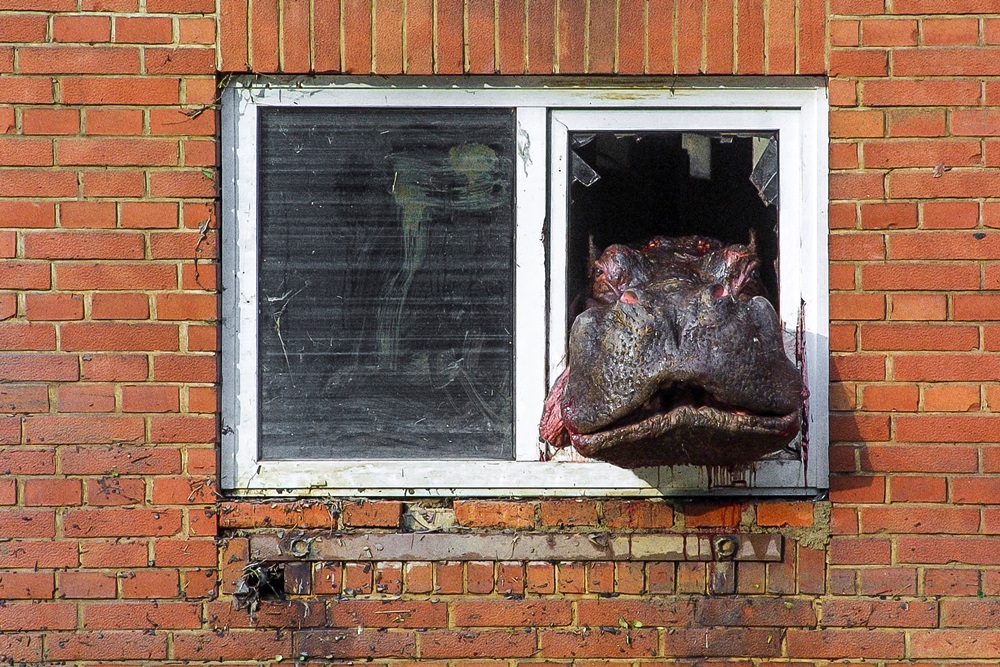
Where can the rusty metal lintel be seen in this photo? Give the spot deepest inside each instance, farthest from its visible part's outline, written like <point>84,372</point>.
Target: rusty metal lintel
<point>515,547</point>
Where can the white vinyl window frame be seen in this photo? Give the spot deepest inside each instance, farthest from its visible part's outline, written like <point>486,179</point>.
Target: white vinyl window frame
<point>544,117</point>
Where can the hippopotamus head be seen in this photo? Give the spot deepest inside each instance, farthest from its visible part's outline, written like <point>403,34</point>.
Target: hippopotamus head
<point>678,359</point>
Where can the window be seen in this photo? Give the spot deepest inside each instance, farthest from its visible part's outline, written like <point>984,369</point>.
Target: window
<point>400,262</point>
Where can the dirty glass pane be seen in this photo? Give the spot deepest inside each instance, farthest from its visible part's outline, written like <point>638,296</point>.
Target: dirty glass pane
<point>386,283</point>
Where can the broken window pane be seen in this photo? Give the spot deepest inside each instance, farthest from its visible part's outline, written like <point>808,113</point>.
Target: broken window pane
<point>386,283</point>
<point>670,183</point>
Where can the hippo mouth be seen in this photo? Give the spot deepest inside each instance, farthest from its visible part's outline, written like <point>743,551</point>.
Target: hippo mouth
<point>695,422</point>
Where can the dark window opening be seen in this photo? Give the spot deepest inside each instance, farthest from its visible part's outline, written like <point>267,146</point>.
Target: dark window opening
<point>385,283</point>
<point>629,187</point>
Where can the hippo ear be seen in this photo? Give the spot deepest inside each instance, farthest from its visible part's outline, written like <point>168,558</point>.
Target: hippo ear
<point>764,315</point>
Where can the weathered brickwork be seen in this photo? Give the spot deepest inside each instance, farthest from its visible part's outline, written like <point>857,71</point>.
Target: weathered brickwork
<point>115,545</point>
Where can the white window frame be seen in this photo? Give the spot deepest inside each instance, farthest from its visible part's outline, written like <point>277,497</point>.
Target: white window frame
<point>544,116</point>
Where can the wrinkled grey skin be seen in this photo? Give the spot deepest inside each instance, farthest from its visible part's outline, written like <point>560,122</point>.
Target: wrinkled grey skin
<point>678,360</point>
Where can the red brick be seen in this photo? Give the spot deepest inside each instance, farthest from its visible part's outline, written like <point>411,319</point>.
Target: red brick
<point>83,245</point>
<point>859,62</point>
<point>108,490</point>
<point>185,368</point>
<point>723,642</point>
<point>104,645</point>
<point>949,61</point>
<point>27,585</point>
<point>844,156</point>
<point>50,121</point>
<point>81,28</point>
<point>79,60</point>
<point>930,549</point>
<point>119,337</point>
<point>946,367</point>
<point>909,519</point>
<point>918,489</point>
<point>87,585</point>
<point>28,616</point>
<point>950,215</point>
<point>922,459</point>
<point>8,306</point>
<point>852,124</point>
<point>919,337</point>
<point>143,30</point>
<point>203,399</point>
<point>540,578</point>
<point>38,183</point>
<point>34,554</point>
<point>571,578</point>
<point>689,40</point>
<point>923,153</point>
<point>713,515</point>
<point>944,428</point>
<point>126,522</point>
<point>860,551</point>
<point>180,61</point>
<point>630,578</point>
<point>916,122</point>
<point>141,615</point>
<point>951,398</point>
<point>883,398</point>
<point>857,307</point>
<point>956,644</point>
<point>869,367</point>
<point>27,523</point>
<point>857,247</point>
<point>845,32</point>
<point>950,32</point>
<point>888,581</point>
<point>601,577</point>
<point>108,90</point>
<point>951,582</point>
<point>925,307</point>
<point>53,307</point>
<point>489,513</point>
<point>185,553</point>
<point>389,614</point>
<point>27,214</point>
<point>857,489</point>
<point>944,245</point>
<point>187,307</point>
<point>631,38</point>
<point>351,645</point>
<point>785,513</point>
<point>577,512</point>
<point>197,30</point>
<point>27,336</point>
<point>812,25</point>
<point>637,514</point>
<point>880,614</point>
<point>87,214</point>
<point>150,398</point>
<point>114,367</point>
<point>117,152</point>
<point>920,92</point>
<point>599,643</point>
<point>372,514</point>
<point>750,37</point>
<point>114,183</point>
<point>650,612</point>
<point>277,515</point>
<point>119,306</point>
<point>977,490</point>
<point>85,398</point>
<point>889,32</point>
<point>183,491</point>
<point>512,613</point>
<point>115,276</point>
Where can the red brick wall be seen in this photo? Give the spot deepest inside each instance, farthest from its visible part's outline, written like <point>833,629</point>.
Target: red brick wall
<point>115,546</point>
